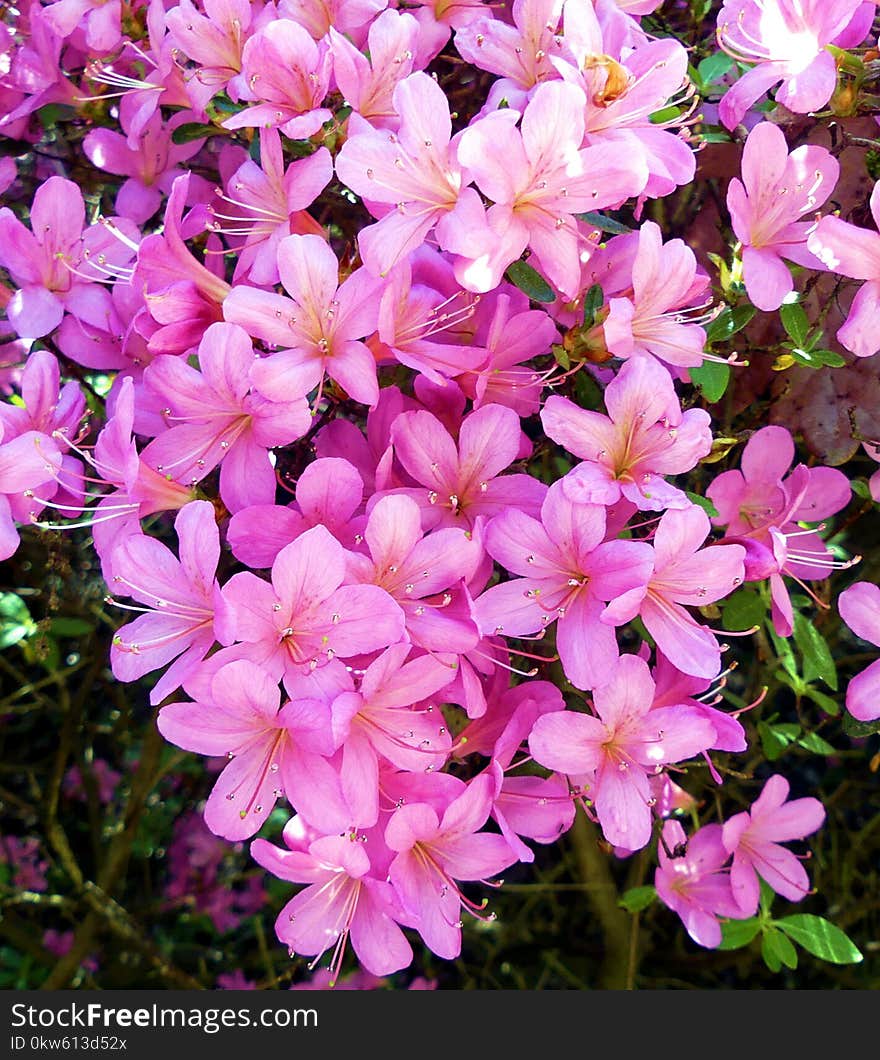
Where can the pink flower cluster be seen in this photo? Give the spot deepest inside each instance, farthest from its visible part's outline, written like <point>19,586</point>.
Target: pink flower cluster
<point>352,632</point>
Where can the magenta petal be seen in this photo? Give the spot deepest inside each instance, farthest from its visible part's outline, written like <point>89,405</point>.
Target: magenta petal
<point>34,311</point>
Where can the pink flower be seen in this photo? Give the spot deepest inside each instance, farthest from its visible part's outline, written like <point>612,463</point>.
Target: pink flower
<point>520,53</point>
<point>567,573</point>
<point>686,574</point>
<point>411,180</point>
<point>626,88</point>
<point>644,436</point>
<point>776,190</point>
<point>306,617</point>
<point>622,747</point>
<point>412,312</point>
<point>329,493</point>
<point>435,851</point>
<point>56,266</point>
<point>99,19</point>
<point>762,508</point>
<point>27,462</point>
<point>660,317</point>
<point>419,571</point>
<point>460,482</point>
<point>754,838</point>
<point>368,84</point>
<point>539,177</point>
<point>513,334</point>
<point>854,252</point>
<point>389,717</point>
<point>150,167</point>
<point>269,752</point>
<point>214,41</point>
<point>320,327</point>
<point>287,74</point>
<point>268,203</point>
<point>859,607</point>
<point>693,882</point>
<point>343,900</point>
<point>787,40</point>
<point>320,16</point>
<point>178,597</point>
<point>214,418</point>
<point>182,295</point>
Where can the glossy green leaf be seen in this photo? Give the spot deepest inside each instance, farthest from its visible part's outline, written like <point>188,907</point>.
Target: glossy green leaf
<point>742,610</point>
<point>821,938</point>
<point>812,741</point>
<point>818,661</point>
<point>711,377</point>
<point>704,502</point>
<point>603,223</point>
<point>738,933</point>
<point>777,950</point>
<point>15,620</point>
<point>637,898</point>
<point>729,322</point>
<point>530,282</point>
<point>795,322</point>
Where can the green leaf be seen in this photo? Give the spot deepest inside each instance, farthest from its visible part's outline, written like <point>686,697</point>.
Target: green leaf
<point>742,610</point>
<point>603,223</point>
<point>861,489</point>
<point>777,950</point>
<point>594,299</point>
<point>712,378</point>
<point>664,115</point>
<point>738,933</point>
<point>714,67</point>
<point>768,952</point>
<point>816,358</point>
<point>859,729</point>
<point>530,282</point>
<point>194,130</point>
<point>15,620</point>
<point>821,938</point>
<point>729,322</point>
<point>715,135</point>
<point>637,898</point>
<point>704,502</point>
<point>818,661</point>
<point>776,738</point>
<point>795,322</point>
<point>783,651</point>
<point>812,741</point>
<point>829,705</point>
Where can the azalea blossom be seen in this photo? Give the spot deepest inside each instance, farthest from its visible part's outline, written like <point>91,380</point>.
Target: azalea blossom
<point>178,596</point>
<point>411,180</point>
<point>754,838</point>
<point>620,747</point>
<point>859,607</point>
<point>693,880</point>
<point>213,418</point>
<point>539,177</point>
<point>434,852</point>
<point>270,750</point>
<point>766,206</point>
<point>567,572</point>
<point>644,436</point>
<point>851,251</point>
<point>787,41</point>
<point>320,327</point>
<point>343,900</point>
